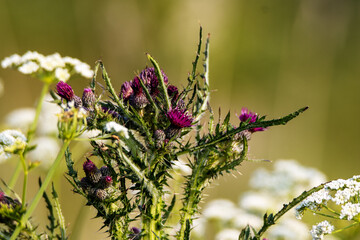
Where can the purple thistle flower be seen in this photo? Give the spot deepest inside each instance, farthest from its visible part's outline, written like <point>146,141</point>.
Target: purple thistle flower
<point>173,91</point>
<point>179,118</point>
<point>148,75</point>
<point>88,98</point>
<point>126,90</point>
<point>89,167</point>
<point>65,91</point>
<point>246,115</point>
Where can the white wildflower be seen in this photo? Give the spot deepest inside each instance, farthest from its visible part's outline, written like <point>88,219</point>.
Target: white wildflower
<point>52,62</point>
<point>258,202</point>
<point>228,234</point>
<point>318,231</point>
<point>336,184</point>
<point>356,177</point>
<point>112,127</point>
<point>350,210</point>
<point>313,202</point>
<point>62,74</point>
<point>11,141</point>
<point>31,55</point>
<point>71,61</point>
<point>48,117</point>
<point>288,179</point>
<point>342,196</point>
<point>21,118</point>
<point>84,70</point>
<point>221,209</point>
<point>14,59</point>
<point>242,219</point>
<point>289,228</point>
<point>45,152</point>
<point>29,67</point>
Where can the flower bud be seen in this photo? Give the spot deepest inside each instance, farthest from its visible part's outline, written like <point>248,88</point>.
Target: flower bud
<point>77,101</point>
<point>101,194</point>
<point>65,91</point>
<point>91,171</point>
<point>85,184</point>
<point>106,181</point>
<point>126,91</point>
<point>105,171</point>
<point>173,91</point>
<point>159,136</point>
<point>88,98</point>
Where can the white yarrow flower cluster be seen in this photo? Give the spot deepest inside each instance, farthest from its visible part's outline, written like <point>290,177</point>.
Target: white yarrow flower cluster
<point>318,231</point>
<point>11,141</point>
<point>36,63</point>
<point>350,210</point>
<point>113,127</point>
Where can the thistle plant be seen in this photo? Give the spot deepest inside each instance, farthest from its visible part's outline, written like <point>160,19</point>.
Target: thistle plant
<point>145,131</point>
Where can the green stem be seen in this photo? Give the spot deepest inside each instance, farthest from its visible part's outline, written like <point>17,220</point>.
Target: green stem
<point>142,178</point>
<point>228,135</point>
<point>161,82</point>
<point>287,207</point>
<point>192,77</point>
<point>152,223</point>
<point>40,193</point>
<point>194,192</point>
<point>111,89</point>
<point>26,173</point>
<point>342,229</point>
<point>206,96</point>
<point>14,178</point>
<point>34,124</point>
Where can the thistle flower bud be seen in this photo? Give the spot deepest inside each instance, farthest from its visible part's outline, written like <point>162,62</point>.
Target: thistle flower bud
<point>91,171</point>
<point>77,101</point>
<point>106,181</point>
<point>88,98</point>
<point>85,184</point>
<point>138,99</point>
<point>126,91</point>
<point>149,75</point>
<point>239,136</point>
<point>105,171</point>
<point>180,104</point>
<point>159,136</point>
<point>101,194</point>
<point>65,91</point>
<point>173,92</point>
<point>136,233</point>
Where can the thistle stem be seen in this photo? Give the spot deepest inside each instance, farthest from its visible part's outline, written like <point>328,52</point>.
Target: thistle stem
<point>42,189</point>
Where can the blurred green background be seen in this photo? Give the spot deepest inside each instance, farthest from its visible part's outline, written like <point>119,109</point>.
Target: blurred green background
<point>270,56</point>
